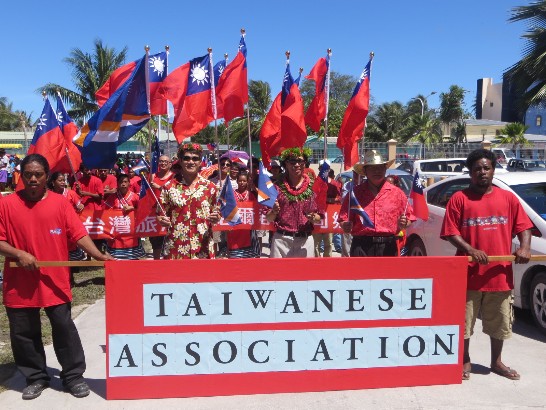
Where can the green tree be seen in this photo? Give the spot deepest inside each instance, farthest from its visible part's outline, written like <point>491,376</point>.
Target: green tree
<point>10,119</point>
<point>514,133</point>
<point>89,72</point>
<point>259,102</point>
<point>425,128</point>
<point>528,75</point>
<point>387,122</point>
<point>451,109</point>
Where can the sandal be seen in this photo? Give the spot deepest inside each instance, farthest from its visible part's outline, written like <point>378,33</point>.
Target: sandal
<point>466,375</point>
<point>508,373</point>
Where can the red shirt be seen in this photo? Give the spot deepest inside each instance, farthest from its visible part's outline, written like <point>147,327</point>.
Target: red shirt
<point>161,182</point>
<point>72,197</point>
<point>110,182</point>
<point>292,215</point>
<point>384,210</point>
<point>134,184</point>
<point>94,185</point>
<point>488,223</point>
<point>42,229</point>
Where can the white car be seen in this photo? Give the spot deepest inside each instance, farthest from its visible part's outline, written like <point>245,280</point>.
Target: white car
<point>529,279</point>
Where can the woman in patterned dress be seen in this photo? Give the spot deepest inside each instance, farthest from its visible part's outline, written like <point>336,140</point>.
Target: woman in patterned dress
<point>190,202</point>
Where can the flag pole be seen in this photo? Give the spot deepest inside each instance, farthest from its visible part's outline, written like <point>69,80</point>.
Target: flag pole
<point>243,34</point>
<point>147,49</point>
<point>372,54</point>
<point>327,100</point>
<point>227,125</point>
<point>214,112</point>
<point>155,197</point>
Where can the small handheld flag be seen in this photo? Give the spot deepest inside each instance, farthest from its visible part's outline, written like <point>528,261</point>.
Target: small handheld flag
<point>420,207</point>
<point>228,205</point>
<point>267,193</point>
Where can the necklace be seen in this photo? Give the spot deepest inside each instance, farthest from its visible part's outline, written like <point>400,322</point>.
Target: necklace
<point>304,191</point>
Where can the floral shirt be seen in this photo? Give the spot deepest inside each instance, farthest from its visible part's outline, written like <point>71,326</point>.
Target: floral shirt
<point>190,234</point>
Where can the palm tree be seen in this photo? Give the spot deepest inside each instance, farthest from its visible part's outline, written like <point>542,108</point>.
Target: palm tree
<point>259,102</point>
<point>89,73</point>
<point>514,133</point>
<point>425,129</point>
<point>387,122</point>
<point>11,120</point>
<point>451,107</point>
<point>529,74</point>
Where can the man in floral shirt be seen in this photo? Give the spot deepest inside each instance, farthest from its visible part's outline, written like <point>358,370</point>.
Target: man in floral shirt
<point>190,203</point>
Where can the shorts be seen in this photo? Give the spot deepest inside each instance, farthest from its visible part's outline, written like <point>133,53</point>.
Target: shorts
<point>496,310</point>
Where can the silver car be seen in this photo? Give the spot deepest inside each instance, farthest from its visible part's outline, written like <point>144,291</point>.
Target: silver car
<point>530,188</point>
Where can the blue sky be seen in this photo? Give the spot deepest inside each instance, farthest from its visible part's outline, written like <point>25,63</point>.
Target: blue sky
<point>419,46</point>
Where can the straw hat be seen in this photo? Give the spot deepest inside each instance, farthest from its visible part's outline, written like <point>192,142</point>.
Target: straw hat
<point>371,157</point>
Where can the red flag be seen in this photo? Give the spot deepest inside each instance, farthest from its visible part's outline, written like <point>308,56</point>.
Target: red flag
<point>232,89</point>
<point>352,127</point>
<point>157,72</point>
<point>420,207</point>
<point>116,80</point>
<point>49,140</point>
<point>174,89</point>
<point>316,111</point>
<point>189,89</point>
<point>293,132</point>
<point>270,132</point>
<point>70,131</point>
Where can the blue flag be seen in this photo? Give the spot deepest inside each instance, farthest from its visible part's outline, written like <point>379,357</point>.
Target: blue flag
<point>228,205</point>
<point>121,117</point>
<point>357,209</point>
<point>267,193</point>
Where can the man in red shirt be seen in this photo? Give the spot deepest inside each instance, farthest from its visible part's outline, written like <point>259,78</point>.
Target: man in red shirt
<point>89,188</point>
<point>37,225</point>
<point>386,205</point>
<point>109,182</point>
<point>480,221</point>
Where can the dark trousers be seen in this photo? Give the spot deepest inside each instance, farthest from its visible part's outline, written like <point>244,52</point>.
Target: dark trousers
<point>28,349</point>
<point>365,246</point>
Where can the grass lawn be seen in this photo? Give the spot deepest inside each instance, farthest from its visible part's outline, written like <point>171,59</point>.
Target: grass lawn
<point>89,287</point>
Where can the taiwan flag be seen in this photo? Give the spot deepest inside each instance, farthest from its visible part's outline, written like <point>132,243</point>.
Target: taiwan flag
<point>157,72</point>
<point>70,132</point>
<point>270,132</point>
<point>189,89</point>
<point>232,90</point>
<point>352,126</point>
<point>316,111</point>
<point>420,208</point>
<point>49,140</point>
<point>293,133</point>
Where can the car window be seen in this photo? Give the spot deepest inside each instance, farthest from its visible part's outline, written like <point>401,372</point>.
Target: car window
<point>534,195</point>
<point>442,194</point>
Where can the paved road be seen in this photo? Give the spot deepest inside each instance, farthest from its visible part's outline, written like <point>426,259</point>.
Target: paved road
<point>526,352</point>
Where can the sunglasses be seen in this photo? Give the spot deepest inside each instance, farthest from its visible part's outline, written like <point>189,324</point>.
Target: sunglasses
<point>225,164</point>
<point>296,161</point>
<point>194,159</point>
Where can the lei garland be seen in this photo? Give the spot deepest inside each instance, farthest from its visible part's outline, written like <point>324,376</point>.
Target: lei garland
<point>296,152</point>
<point>305,191</point>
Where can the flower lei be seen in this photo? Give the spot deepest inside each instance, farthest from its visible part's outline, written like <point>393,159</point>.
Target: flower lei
<point>302,193</point>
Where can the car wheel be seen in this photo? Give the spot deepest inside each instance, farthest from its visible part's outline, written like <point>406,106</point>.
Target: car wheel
<point>538,301</point>
<point>417,248</point>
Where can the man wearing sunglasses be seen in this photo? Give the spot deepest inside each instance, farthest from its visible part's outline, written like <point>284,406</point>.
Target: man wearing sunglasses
<point>190,202</point>
<point>296,209</point>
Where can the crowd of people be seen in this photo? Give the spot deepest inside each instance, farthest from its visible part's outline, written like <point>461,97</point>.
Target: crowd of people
<point>374,214</point>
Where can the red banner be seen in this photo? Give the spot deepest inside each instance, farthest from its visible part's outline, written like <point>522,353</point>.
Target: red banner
<point>111,223</point>
<point>233,326</point>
